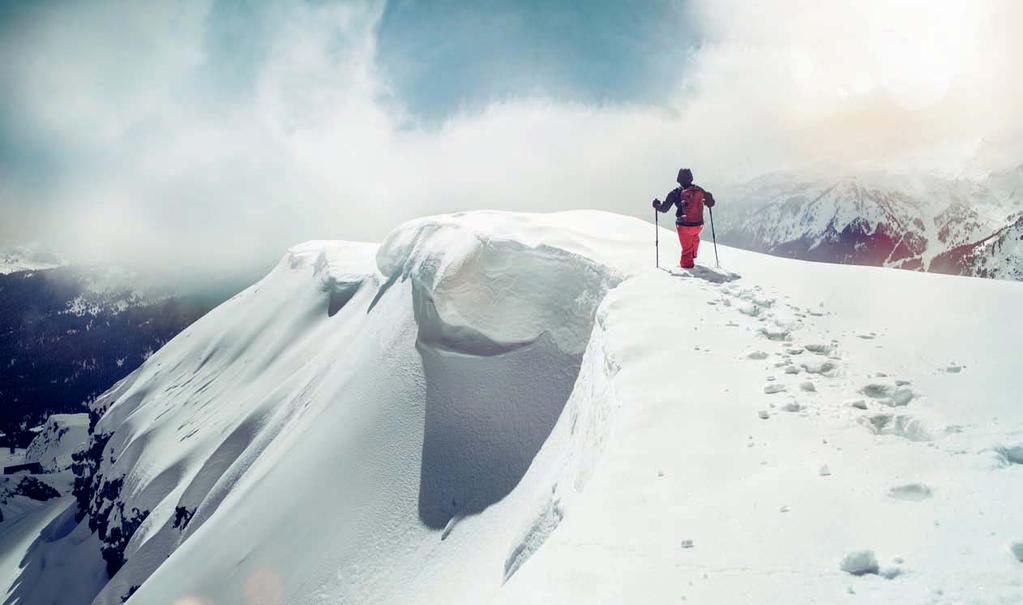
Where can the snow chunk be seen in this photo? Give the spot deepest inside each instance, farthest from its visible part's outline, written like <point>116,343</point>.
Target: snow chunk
<point>860,563</point>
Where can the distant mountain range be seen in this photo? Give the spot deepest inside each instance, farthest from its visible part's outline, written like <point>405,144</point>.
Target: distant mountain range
<point>67,333</point>
<point>918,222</point>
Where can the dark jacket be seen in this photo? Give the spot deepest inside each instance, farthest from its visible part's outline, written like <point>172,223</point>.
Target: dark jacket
<point>685,215</point>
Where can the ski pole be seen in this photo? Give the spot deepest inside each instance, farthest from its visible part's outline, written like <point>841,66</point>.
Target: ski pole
<point>657,241</point>
<point>714,238</point>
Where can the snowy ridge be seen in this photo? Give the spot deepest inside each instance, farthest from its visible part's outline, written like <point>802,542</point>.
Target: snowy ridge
<point>497,407</point>
<point>461,318</point>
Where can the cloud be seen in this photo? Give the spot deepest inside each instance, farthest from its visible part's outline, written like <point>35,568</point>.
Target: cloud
<point>167,154</point>
<point>906,84</point>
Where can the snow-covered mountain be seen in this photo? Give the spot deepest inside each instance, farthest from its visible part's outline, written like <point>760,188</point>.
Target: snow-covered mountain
<point>509,408</point>
<point>999,255</point>
<point>27,258</point>
<point>880,219</point>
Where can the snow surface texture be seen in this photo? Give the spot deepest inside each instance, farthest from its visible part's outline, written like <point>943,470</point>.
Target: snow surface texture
<point>494,407</point>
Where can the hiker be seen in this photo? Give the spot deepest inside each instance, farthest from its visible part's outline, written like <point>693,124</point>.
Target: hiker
<point>690,199</point>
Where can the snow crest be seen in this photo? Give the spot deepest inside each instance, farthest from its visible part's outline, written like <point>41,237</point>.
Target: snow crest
<point>488,292</point>
<point>429,388</point>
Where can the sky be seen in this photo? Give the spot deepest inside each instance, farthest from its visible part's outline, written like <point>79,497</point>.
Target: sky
<point>214,134</point>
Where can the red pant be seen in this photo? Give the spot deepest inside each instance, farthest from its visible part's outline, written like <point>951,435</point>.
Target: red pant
<point>689,238</point>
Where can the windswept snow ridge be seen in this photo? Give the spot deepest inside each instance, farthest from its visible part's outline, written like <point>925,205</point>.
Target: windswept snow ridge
<point>497,407</point>
<point>397,396</point>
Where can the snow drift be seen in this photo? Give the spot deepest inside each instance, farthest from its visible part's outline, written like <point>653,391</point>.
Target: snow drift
<point>518,408</point>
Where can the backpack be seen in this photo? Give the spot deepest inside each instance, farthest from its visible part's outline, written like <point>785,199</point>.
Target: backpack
<point>692,205</point>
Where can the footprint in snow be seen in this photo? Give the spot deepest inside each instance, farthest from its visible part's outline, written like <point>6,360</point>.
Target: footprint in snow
<point>901,425</point>
<point>773,387</point>
<point>776,333</point>
<point>890,395</point>
<point>819,366</point>
<point>749,309</point>
<point>910,491</point>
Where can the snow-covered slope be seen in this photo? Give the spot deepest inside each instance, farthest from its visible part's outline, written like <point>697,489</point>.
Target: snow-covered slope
<point>879,219</point>
<point>518,408</point>
<point>61,436</point>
